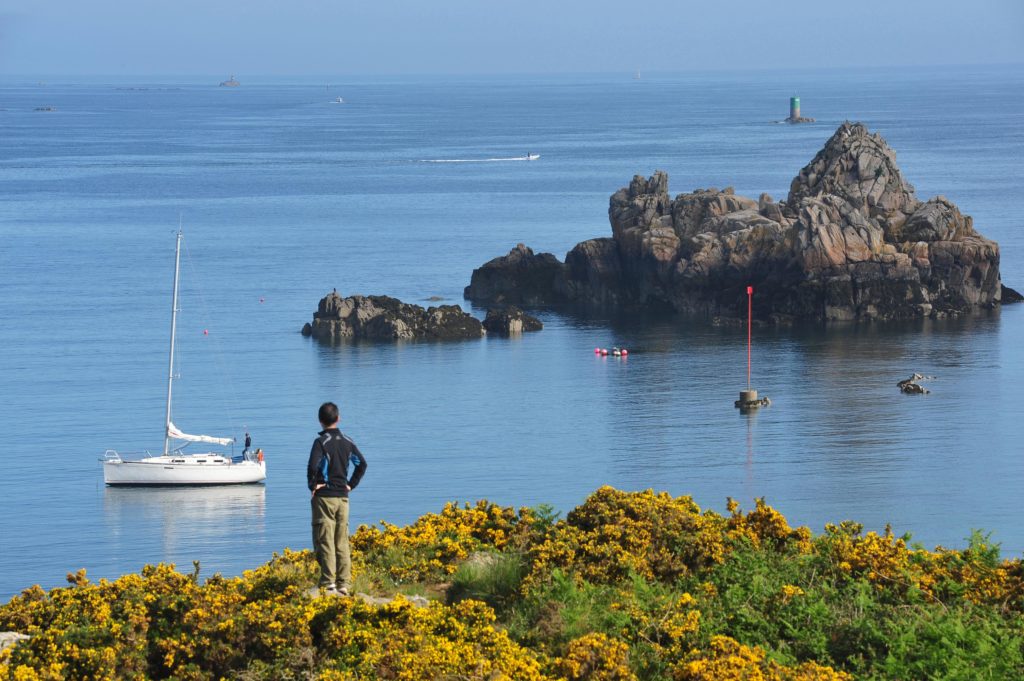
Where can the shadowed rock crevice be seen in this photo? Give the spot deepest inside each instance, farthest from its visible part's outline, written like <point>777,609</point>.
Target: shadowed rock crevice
<point>851,242</point>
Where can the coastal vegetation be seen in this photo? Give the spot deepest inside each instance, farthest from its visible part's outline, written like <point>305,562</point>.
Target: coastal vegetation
<point>628,585</point>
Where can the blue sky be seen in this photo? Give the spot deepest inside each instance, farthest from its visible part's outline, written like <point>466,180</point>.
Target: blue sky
<point>281,37</point>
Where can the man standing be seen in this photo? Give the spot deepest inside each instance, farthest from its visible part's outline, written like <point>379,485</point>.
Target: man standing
<point>329,482</point>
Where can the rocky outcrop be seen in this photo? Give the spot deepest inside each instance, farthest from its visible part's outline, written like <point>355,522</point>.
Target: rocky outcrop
<point>417,601</point>
<point>510,321</point>
<point>851,241</point>
<point>9,639</point>
<point>384,319</point>
<point>1011,296</point>
<point>911,386</point>
<point>519,278</point>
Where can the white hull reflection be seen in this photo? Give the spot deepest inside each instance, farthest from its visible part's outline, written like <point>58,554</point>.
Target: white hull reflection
<point>197,507</point>
<point>222,526</point>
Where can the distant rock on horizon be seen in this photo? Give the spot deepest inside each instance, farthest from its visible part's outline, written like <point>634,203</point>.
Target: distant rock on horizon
<point>850,242</point>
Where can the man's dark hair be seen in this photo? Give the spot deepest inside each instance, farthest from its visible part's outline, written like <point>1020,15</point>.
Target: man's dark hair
<point>328,414</point>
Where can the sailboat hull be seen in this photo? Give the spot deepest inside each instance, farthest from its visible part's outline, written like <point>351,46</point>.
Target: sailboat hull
<point>192,469</point>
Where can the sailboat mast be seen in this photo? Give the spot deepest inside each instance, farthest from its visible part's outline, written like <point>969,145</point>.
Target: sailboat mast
<point>174,329</point>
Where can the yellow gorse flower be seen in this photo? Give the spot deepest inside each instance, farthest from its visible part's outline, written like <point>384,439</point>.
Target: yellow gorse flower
<point>654,557</point>
<point>436,543</point>
<point>728,660</point>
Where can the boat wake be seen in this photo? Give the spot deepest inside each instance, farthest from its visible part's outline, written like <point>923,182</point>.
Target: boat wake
<point>531,157</point>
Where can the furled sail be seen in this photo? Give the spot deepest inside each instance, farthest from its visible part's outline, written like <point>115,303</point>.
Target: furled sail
<point>172,431</point>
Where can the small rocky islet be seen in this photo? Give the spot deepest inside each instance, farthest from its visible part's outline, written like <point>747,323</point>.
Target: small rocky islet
<point>383,318</point>
<point>851,242</point>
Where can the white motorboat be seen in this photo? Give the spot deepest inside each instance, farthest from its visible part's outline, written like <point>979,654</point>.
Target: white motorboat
<point>337,100</point>
<point>532,157</point>
<point>174,466</point>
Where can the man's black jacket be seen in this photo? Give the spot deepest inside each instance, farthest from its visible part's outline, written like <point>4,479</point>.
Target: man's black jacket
<point>339,450</point>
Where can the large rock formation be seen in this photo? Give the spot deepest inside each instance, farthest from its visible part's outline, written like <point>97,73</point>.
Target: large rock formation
<point>384,318</point>
<point>532,277</point>
<point>851,241</point>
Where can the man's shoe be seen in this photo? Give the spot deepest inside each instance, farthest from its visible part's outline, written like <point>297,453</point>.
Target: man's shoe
<point>343,592</point>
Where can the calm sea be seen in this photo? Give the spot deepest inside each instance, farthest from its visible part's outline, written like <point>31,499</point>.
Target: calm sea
<point>285,195</point>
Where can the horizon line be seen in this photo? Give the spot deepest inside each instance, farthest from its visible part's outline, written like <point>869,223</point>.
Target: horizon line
<point>501,74</point>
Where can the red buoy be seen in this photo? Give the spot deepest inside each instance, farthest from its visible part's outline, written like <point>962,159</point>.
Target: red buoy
<point>625,352</point>
<point>750,322</point>
<point>205,332</point>
<point>597,351</point>
<point>604,351</point>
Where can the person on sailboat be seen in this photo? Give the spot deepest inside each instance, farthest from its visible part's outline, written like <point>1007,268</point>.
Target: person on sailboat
<point>329,483</point>
<point>248,443</point>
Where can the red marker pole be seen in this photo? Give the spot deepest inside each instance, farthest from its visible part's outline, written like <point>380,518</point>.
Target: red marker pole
<point>750,310</point>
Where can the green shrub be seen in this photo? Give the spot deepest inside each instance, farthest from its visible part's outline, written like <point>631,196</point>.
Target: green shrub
<point>493,578</point>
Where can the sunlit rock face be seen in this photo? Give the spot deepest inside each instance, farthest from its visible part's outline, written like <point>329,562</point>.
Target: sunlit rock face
<point>851,241</point>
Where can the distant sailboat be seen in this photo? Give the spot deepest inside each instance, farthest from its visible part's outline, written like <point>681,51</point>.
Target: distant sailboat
<point>174,467</point>
<point>637,76</point>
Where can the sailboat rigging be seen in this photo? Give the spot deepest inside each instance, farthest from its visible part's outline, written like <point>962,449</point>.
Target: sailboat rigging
<point>174,467</point>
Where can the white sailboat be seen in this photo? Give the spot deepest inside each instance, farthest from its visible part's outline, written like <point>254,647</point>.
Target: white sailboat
<point>174,466</point>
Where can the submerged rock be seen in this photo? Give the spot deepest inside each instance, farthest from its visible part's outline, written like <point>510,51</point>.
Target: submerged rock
<point>384,318</point>
<point>850,242</point>
<point>910,386</point>
<point>510,321</point>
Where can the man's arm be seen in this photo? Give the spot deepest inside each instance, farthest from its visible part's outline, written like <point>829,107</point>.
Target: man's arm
<point>313,467</point>
<point>357,458</point>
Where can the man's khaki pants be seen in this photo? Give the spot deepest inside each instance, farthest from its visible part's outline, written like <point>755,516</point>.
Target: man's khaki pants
<point>330,541</point>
